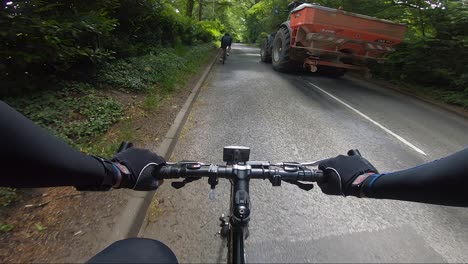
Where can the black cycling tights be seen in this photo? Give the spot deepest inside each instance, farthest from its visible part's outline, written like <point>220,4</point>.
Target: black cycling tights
<point>135,250</point>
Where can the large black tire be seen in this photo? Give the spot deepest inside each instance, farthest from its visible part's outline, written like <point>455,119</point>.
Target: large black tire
<point>280,51</point>
<point>265,54</point>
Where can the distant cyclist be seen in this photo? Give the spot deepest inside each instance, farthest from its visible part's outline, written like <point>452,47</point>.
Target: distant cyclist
<point>226,42</point>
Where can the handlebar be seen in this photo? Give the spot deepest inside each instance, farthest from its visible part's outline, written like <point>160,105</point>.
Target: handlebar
<point>239,168</point>
<point>291,172</point>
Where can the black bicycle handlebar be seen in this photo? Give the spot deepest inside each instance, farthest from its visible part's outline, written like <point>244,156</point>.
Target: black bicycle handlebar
<point>256,170</point>
<point>291,172</point>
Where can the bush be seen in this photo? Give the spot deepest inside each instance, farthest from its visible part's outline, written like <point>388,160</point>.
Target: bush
<point>77,114</point>
<point>7,196</point>
<point>428,62</point>
<point>141,73</point>
<point>454,97</point>
<point>39,40</point>
<point>45,41</point>
<point>159,70</point>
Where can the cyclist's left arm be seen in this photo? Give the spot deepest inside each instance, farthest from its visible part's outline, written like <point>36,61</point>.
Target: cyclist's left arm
<point>32,157</point>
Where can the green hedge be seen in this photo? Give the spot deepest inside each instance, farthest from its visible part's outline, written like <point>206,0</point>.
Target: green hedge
<point>429,62</point>
<point>45,41</point>
<point>161,68</point>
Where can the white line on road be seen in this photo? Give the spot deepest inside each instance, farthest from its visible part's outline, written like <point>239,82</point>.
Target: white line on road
<point>371,120</point>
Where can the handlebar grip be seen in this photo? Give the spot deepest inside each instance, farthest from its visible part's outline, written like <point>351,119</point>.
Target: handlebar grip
<point>354,152</point>
<point>319,176</point>
<point>124,145</point>
<point>163,172</point>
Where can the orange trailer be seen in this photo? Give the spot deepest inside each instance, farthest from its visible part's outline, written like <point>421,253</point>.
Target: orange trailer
<point>317,36</point>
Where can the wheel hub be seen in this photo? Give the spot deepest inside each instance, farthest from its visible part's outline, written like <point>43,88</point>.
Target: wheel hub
<point>277,48</point>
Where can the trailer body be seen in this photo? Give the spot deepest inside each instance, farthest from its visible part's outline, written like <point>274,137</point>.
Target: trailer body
<point>317,35</point>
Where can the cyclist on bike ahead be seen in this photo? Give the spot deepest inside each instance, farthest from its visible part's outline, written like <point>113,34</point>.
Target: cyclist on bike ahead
<point>31,157</point>
<point>226,42</point>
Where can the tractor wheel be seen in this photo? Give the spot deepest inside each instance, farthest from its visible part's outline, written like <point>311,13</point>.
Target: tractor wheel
<point>265,54</point>
<point>281,47</point>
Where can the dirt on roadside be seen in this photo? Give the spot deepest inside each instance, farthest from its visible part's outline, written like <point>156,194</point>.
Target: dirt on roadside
<point>64,225</point>
<point>57,224</point>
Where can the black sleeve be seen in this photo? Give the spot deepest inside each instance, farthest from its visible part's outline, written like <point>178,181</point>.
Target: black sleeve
<point>444,182</point>
<point>33,157</point>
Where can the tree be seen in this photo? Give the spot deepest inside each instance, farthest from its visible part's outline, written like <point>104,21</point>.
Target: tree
<point>200,10</point>
<point>189,10</point>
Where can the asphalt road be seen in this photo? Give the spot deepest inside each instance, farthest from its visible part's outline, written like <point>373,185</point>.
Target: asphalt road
<point>284,117</point>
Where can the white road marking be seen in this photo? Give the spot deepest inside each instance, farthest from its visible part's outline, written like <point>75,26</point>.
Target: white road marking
<point>406,142</point>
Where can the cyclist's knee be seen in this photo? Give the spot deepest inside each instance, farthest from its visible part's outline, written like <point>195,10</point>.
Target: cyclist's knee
<point>135,250</point>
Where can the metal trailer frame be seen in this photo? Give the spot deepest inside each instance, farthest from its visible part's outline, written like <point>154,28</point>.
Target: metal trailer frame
<point>330,49</point>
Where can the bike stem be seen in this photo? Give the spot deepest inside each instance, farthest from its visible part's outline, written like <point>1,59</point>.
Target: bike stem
<point>240,211</point>
<point>241,200</point>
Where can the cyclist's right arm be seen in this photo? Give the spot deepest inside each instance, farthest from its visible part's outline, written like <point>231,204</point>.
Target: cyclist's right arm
<point>443,181</point>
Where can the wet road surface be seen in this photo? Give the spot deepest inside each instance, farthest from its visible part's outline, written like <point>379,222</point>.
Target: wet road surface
<point>284,117</point>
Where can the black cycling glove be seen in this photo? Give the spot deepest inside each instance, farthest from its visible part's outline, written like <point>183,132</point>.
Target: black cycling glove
<point>341,173</point>
<point>142,166</point>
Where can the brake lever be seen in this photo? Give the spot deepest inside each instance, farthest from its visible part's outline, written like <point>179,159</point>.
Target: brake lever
<point>178,185</point>
<point>303,186</point>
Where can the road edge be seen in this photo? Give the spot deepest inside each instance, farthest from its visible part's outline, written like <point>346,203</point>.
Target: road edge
<point>453,109</point>
<point>133,214</point>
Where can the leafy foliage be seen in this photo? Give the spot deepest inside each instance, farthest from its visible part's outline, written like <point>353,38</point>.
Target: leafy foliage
<point>7,196</point>
<point>213,27</point>
<point>40,39</point>
<point>454,97</point>
<point>39,227</point>
<point>262,19</point>
<point>76,114</point>
<point>45,40</point>
<point>6,227</point>
<point>437,56</point>
<point>160,69</point>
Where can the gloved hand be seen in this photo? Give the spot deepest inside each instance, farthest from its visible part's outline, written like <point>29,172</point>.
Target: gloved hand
<point>341,174</point>
<point>139,169</point>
